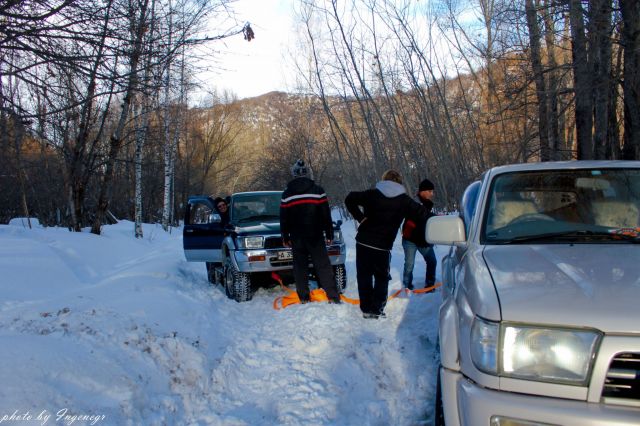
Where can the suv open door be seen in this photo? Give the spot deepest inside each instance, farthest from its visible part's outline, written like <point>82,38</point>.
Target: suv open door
<point>203,233</point>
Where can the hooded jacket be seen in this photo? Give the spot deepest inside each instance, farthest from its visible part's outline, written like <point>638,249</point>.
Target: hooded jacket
<point>380,212</point>
<point>304,210</point>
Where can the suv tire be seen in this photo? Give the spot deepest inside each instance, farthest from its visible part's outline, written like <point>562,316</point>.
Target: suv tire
<point>340,273</point>
<point>237,284</point>
<point>438,409</point>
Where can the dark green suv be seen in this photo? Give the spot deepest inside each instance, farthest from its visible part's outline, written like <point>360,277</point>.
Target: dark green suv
<point>242,255</point>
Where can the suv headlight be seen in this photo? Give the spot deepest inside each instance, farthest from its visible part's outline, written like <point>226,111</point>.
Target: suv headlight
<point>484,345</point>
<point>534,353</point>
<point>548,354</point>
<point>251,242</point>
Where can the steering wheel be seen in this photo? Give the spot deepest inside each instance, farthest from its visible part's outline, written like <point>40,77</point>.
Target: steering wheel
<point>531,217</point>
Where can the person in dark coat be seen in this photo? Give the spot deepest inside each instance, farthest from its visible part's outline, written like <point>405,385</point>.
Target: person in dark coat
<point>223,210</point>
<point>380,213</point>
<point>413,239</point>
<point>306,227</point>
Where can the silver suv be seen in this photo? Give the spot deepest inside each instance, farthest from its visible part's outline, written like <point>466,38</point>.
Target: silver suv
<point>242,255</point>
<point>540,317</point>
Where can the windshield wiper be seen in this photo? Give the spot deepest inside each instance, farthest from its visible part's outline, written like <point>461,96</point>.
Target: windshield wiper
<point>627,234</point>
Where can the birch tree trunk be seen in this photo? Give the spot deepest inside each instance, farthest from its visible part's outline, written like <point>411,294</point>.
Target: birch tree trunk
<point>141,127</point>
<point>141,124</point>
<point>168,139</point>
<point>168,172</point>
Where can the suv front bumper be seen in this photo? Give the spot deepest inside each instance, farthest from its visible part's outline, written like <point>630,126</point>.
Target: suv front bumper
<point>466,403</point>
<point>262,260</point>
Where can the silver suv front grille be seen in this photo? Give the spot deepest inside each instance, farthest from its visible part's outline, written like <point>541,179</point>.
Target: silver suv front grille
<point>622,385</point>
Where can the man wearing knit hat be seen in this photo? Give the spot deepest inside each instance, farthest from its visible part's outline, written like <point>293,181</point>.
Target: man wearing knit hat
<point>306,227</point>
<point>413,239</point>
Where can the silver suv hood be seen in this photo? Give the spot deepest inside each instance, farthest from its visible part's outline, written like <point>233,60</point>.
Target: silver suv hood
<point>585,285</point>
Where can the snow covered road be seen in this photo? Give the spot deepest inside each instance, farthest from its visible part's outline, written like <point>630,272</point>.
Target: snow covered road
<point>112,330</point>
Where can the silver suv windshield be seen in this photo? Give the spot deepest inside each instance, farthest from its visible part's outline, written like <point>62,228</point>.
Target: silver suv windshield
<point>256,207</point>
<point>591,205</point>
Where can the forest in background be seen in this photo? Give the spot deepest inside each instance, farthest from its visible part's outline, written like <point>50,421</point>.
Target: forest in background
<point>96,120</point>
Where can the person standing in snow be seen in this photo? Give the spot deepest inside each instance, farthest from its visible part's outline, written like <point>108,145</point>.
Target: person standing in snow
<point>306,227</point>
<point>413,239</point>
<point>379,212</point>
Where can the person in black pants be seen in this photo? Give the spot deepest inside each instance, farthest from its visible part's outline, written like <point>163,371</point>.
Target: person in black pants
<point>306,227</point>
<point>379,212</point>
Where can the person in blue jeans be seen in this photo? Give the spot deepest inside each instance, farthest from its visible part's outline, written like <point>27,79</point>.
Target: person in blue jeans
<point>413,240</point>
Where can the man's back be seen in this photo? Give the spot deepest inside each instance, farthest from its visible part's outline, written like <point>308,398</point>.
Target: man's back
<point>304,209</point>
<point>384,209</point>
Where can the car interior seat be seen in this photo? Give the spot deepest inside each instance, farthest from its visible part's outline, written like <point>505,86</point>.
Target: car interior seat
<point>616,214</point>
<point>507,210</point>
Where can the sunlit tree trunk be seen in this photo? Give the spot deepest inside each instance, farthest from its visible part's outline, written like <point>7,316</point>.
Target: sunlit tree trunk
<point>631,78</point>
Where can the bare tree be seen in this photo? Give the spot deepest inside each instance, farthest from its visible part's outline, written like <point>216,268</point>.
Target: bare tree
<point>139,21</point>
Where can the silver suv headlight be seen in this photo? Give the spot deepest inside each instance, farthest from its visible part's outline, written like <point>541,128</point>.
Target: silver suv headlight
<point>250,242</point>
<point>484,345</point>
<point>548,354</point>
<point>537,353</point>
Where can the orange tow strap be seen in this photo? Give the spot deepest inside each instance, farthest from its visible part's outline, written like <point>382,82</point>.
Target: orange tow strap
<point>319,295</point>
<point>417,291</point>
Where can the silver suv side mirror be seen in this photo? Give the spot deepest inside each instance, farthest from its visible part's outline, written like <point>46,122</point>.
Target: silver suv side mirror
<point>445,230</point>
<point>215,218</point>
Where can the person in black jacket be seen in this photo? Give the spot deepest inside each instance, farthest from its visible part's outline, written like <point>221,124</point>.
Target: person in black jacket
<point>413,239</point>
<point>379,212</point>
<point>306,227</point>
<point>223,210</point>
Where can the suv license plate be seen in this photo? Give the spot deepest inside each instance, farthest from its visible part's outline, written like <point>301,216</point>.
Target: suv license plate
<point>285,255</point>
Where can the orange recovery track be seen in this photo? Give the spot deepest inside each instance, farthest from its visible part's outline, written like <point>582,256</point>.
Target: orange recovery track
<point>318,295</point>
